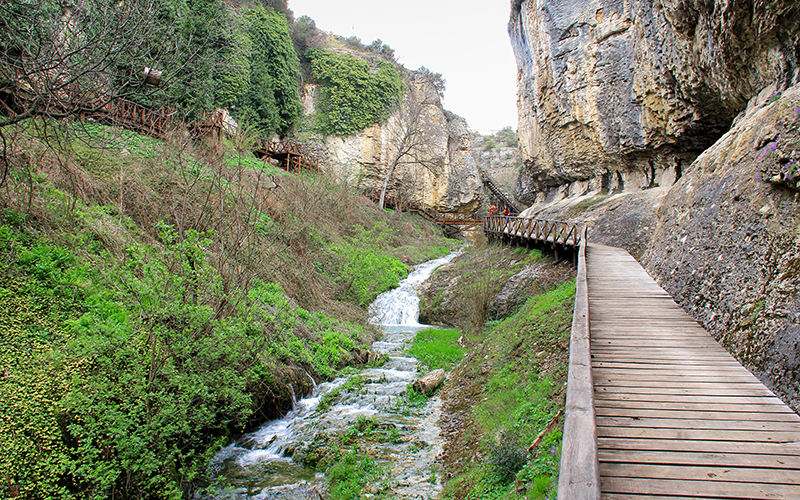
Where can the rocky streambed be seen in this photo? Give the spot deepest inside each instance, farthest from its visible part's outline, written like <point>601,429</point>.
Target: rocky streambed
<point>364,428</point>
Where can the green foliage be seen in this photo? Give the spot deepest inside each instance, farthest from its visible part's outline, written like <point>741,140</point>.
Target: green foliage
<point>232,76</point>
<point>353,97</point>
<point>518,401</point>
<point>347,478</point>
<point>367,271</point>
<point>132,346</point>
<point>436,348</point>
<point>410,400</point>
<point>507,137</point>
<point>144,383</point>
<point>272,103</point>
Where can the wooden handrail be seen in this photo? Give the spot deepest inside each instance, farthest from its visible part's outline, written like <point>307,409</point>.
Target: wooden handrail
<point>579,470</point>
<point>545,230</point>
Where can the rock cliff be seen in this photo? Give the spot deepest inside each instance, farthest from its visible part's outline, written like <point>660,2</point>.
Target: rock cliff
<point>672,128</point>
<point>726,245</point>
<point>439,172</point>
<point>629,93</point>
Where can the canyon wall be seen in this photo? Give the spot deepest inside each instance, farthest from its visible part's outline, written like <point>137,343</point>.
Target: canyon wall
<point>630,92</point>
<point>673,129</point>
<point>439,171</point>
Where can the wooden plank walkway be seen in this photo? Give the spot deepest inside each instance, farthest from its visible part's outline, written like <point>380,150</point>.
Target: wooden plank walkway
<point>677,416</point>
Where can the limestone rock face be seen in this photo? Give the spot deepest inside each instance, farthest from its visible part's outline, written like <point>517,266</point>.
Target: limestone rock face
<point>631,92</point>
<point>439,172</point>
<point>502,164</point>
<point>727,247</point>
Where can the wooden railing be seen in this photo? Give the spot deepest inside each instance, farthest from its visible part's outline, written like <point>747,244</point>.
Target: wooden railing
<point>292,155</point>
<point>154,122</point>
<point>568,234</point>
<point>579,470</point>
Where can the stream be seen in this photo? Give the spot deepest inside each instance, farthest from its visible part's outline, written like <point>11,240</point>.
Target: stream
<point>259,464</point>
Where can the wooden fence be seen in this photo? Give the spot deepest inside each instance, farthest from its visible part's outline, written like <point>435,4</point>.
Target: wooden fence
<point>568,234</point>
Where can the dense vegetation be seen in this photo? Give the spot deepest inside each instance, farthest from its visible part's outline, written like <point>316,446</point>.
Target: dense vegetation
<point>247,57</point>
<point>517,379</point>
<point>156,296</point>
<point>354,97</point>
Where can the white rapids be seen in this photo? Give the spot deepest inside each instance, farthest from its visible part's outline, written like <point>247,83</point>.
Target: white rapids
<point>259,466</point>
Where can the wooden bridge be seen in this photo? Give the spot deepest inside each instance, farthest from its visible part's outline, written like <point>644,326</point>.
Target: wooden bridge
<point>560,237</point>
<point>656,408</point>
<point>292,155</point>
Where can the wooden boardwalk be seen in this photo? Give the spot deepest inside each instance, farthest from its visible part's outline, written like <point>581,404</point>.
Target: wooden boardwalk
<point>677,416</point>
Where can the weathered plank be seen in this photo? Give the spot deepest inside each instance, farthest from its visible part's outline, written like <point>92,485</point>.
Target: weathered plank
<point>676,415</point>
<point>579,477</point>
<point>695,424</point>
<point>701,473</point>
<point>708,489</point>
<point>706,446</point>
<point>694,414</point>
<point>791,462</point>
<point>686,433</point>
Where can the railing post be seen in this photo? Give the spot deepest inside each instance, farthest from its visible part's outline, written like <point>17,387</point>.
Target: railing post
<point>579,470</point>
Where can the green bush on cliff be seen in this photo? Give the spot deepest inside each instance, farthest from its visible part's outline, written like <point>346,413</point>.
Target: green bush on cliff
<point>272,102</point>
<point>353,96</point>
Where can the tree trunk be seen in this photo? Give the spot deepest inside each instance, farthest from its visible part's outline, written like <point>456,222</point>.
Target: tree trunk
<point>382,201</point>
<point>429,382</point>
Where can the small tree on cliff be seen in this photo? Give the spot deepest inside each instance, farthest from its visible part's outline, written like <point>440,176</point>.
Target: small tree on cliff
<point>409,144</point>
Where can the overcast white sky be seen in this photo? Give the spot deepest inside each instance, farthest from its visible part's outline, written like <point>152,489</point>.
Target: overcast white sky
<point>464,40</point>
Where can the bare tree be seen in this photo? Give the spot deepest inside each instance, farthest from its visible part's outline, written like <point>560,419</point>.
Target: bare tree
<point>410,145</point>
<point>68,58</point>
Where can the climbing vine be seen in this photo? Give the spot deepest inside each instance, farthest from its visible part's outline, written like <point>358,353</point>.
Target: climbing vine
<point>354,94</point>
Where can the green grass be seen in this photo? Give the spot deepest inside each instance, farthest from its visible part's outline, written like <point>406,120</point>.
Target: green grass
<point>520,395</point>
<point>348,476</point>
<point>437,348</point>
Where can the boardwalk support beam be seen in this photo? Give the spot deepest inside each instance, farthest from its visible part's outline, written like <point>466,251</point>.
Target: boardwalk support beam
<point>579,472</point>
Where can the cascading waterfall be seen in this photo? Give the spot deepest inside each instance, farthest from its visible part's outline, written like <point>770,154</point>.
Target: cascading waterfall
<point>258,465</point>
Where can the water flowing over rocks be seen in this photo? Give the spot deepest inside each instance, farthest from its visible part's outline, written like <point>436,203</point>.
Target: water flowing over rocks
<point>260,464</point>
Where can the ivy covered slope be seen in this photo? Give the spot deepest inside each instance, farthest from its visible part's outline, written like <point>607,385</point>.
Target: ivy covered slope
<point>156,297</point>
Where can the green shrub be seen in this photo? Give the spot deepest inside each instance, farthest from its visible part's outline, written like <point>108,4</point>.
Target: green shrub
<point>348,476</point>
<point>353,98</point>
<point>436,348</point>
<point>367,270</point>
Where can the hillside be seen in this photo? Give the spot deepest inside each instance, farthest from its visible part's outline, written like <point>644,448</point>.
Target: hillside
<point>159,296</point>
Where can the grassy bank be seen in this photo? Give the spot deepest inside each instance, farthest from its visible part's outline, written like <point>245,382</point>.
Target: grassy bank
<point>502,404</point>
<point>157,296</point>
